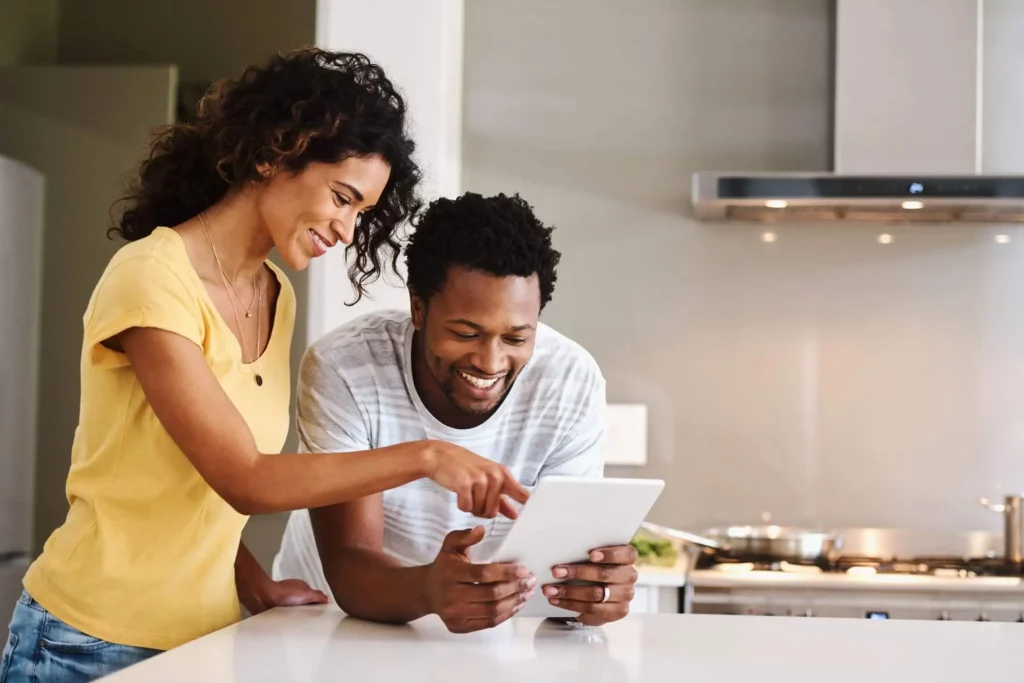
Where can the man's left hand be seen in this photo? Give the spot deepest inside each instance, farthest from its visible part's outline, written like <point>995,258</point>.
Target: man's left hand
<point>608,567</point>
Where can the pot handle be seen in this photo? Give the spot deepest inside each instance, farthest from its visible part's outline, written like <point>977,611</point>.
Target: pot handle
<point>685,536</point>
<point>1001,507</point>
<point>989,505</point>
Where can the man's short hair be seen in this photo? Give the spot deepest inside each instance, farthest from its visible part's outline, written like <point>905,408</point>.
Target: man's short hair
<point>496,235</point>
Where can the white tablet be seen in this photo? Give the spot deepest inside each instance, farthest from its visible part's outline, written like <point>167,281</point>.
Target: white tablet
<point>567,517</point>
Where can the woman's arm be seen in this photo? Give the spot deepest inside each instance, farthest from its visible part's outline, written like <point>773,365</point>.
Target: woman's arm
<point>258,592</point>
<point>205,424</point>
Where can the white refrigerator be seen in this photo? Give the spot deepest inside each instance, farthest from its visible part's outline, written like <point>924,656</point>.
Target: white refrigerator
<point>21,255</point>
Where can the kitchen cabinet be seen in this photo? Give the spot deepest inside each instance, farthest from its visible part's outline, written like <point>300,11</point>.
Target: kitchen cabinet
<point>657,591</point>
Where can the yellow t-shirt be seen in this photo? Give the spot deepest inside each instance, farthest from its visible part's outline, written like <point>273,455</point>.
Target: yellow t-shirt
<point>146,554</point>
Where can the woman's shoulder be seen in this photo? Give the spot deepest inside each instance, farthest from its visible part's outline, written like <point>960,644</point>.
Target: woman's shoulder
<point>160,257</point>
<point>162,245</point>
<point>146,284</point>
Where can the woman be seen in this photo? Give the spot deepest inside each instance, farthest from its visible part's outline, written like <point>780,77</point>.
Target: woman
<point>185,373</point>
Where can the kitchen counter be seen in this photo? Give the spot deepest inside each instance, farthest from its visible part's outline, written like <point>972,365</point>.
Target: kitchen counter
<point>712,578</point>
<point>319,644</point>
<point>661,577</point>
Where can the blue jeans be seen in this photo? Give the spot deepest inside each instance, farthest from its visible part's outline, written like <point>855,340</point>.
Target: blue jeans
<point>43,649</point>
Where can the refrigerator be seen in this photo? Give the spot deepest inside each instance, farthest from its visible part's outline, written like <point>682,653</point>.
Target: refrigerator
<point>21,256</point>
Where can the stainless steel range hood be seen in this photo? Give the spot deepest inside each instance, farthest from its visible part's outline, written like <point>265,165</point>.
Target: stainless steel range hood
<point>918,137</point>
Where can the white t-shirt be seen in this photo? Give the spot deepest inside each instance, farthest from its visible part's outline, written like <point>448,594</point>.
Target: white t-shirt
<point>356,392</point>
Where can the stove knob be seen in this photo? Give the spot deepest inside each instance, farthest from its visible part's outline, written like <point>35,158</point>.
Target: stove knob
<point>809,613</point>
<point>944,616</point>
<point>1020,618</point>
<point>982,617</point>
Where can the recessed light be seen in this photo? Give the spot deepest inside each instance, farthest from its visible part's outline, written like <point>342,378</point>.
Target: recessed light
<point>885,238</point>
<point>1002,239</point>
<point>910,206</point>
<point>776,203</point>
<point>769,237</point>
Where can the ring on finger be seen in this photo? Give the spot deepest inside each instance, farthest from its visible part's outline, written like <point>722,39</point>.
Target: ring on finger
<point>607,593</point>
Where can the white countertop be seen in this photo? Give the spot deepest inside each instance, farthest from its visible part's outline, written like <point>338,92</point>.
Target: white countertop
<point>320,645</point>
<point>712,578</point>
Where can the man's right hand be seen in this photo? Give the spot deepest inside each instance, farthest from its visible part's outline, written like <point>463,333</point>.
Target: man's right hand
<point>483,486</point>
<point>472,597</point>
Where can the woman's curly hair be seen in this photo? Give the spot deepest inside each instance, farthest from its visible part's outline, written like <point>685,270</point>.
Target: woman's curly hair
<point>308,105</point>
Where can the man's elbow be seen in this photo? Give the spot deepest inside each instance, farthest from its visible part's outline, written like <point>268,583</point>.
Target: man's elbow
<point>352,597</point>
<point>362,609</point>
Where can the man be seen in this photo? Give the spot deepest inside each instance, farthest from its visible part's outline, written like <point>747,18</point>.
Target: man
<point>472,365</point>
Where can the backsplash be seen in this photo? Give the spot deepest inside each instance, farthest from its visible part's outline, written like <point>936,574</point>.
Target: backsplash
<point>824,374</point>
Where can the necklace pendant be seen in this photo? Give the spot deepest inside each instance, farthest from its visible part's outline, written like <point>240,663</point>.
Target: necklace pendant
<point>259,379</point>
<point>248,314</point>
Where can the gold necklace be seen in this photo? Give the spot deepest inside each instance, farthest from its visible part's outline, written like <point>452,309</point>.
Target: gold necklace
<point>230,288</point>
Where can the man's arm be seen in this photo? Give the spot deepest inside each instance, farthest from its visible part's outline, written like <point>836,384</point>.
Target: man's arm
<point>366,582</point>
<point>369,584</point>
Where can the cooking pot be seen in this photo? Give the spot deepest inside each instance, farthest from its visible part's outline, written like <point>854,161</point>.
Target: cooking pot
<point>773,543</point>
<point>769,543</point>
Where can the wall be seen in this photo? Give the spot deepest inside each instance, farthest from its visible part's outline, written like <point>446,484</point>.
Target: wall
<point>207,40</point>
<point>823,378</point>
<point>28,31</point>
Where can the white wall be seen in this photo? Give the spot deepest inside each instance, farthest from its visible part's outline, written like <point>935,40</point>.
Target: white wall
<point>825,378</point>
<point>419,44</point>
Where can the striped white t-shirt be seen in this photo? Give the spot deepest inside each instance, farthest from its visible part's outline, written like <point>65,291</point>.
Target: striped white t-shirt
<point>356,392</point>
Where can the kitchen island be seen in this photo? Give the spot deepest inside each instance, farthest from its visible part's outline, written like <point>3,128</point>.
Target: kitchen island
<point>320,645</point>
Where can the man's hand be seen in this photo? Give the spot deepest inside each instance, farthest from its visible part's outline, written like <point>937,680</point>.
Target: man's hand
<point>471,597</point>
<point>611,567</point>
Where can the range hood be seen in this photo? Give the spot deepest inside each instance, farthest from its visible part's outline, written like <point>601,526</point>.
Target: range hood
<point>917,136</point>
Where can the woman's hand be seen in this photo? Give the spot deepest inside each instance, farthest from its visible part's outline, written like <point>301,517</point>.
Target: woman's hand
<point>258,592</point>
<point>290,593</point>
<point>483,486</point>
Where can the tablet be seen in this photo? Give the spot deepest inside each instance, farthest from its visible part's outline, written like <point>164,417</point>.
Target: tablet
<point>567,517</point>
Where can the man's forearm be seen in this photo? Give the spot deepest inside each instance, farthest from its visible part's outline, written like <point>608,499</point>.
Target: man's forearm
<point>369,584</point>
